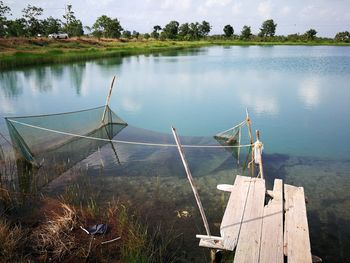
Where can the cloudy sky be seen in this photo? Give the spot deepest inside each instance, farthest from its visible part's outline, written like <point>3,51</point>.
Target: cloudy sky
<point>326,16</point>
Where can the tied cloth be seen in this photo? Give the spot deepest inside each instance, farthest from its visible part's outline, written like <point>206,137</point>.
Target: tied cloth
<point>258,148</point>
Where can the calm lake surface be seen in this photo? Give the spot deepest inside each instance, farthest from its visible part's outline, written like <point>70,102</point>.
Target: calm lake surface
<point>298,97</point>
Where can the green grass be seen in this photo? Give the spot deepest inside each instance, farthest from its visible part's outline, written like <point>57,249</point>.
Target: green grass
<point>52,52</point>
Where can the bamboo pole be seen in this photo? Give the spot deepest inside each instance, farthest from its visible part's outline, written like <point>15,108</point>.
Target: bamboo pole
<point>190,179</point>
<point>250,138</point>
<point>260,160</point>
<point>107,99</point>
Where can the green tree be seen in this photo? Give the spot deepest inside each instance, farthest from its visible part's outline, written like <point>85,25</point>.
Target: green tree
<point>170,30</point>
<point>126,34</point>
<point>146,36</point>
<point>16,28</point>
<point>3,11</point>
<point>51,25</point>
<point>33,24</point>
<point>155,33</point>
<point>107,27</point>
<point>311,34</point>
<point>246,33</point>
<point>204,28</point>
<point>135,34</point>
<point>184,32</point>
<point>72,25</point>
<point>194,31</point>
<point>228,30</point>
<point>342,37</point>
<point>268,28</point>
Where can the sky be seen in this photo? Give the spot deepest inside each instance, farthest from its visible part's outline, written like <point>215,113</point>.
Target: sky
<point>327,17</point>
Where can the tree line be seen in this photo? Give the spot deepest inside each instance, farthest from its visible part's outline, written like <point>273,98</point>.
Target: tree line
<point>30,25</point>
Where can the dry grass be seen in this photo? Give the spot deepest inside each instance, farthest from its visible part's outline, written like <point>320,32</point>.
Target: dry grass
<point>12,242</point>
<point>54,238</point>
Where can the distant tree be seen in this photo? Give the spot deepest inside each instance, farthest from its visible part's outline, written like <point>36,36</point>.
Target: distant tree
<point>72,25</point>
<point>146,36</point>
<point>184,32</point>
<point>170,30</point>
<point>228,30</point>
<point>342,37</point>
<point>204,28</point>
<point>135,34</point>
<point>107,27</point>
<point>293,37</point>
<point>155,33</point>
<point>126,34</point>
<point>195,31</point>
<point>16,28</point>
<point>246,33</point>
<point>33,24</point>
<point>51,25</point>
<point>311,34</point>
<point>268,28</point>
<point>3,11</point>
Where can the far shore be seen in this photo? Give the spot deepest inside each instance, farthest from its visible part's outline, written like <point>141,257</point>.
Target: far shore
<point>19,52</point>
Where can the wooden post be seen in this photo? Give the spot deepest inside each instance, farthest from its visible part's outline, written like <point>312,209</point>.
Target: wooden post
<point>190,179</point>
<point>250,138</point>
<point>260,161</point>
<point>107,100</point>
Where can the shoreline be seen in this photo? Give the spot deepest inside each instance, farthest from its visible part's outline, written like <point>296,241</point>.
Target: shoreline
<point>22,52</point>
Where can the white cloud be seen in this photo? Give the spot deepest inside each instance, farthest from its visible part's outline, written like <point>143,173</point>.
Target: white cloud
<point>285,10</point>
<point>236,8</point>
<point>309,93</point>
<point>261,104</point>
<point>130,105</point>
<point>215,3</point>
<point>264,9</point>
<point>177,5</point>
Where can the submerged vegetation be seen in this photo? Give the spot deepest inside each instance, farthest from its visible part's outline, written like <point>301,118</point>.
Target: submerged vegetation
<point>40,228</point>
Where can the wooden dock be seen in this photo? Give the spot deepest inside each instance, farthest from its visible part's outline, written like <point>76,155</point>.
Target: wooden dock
<point>263,226</point>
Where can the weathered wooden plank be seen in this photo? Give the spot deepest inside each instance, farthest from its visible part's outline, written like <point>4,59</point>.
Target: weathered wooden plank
<point>248,246</point>
<point>232,219</point>
<point>297,233</point>
<point>271,249</point>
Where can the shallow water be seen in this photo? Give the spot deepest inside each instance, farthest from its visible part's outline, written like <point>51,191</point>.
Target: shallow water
<point>298,97</point>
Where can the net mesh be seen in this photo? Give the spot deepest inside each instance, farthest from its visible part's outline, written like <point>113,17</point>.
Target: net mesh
<point>37,145</point>
<point>231,137</point>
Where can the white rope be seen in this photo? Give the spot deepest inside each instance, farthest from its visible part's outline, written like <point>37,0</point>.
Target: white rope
<point>128,142</point>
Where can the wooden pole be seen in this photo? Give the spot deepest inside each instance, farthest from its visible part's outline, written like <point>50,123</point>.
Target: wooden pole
<point>250,138</point>
<point>108,98</point>
<point>260,161</point>
<point>190,179</point>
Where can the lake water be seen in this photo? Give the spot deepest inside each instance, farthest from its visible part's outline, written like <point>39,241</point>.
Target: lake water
<point>298,97</point>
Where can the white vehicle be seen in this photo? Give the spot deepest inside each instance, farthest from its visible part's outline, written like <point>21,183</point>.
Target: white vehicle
<point>59,35</point>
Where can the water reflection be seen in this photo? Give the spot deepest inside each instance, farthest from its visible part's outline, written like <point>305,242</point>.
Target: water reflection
<point>309,92</point>
<point>39,79</point>
<point>76,72</point>
<point>10,84</point>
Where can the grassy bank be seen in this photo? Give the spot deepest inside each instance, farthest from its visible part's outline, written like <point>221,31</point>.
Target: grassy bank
<point>17,52</point>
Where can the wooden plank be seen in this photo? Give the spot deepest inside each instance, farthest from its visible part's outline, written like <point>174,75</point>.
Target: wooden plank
<point>232,219</point>
<point>271,249</point>
<point>248,246</point>
<point>297,233</point>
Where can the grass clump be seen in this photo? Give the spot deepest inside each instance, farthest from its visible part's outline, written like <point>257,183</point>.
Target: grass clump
<point>12,242</point>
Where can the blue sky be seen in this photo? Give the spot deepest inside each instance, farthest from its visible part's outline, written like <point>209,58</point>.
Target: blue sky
<point>326,16</point>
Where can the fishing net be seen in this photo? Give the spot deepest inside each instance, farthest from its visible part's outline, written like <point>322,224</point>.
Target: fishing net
<point>231,137</point>
<point>54,137</point>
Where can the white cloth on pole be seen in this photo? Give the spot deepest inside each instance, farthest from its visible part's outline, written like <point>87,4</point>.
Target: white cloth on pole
<point>258,148</point>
